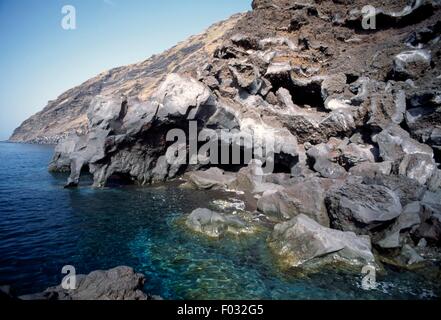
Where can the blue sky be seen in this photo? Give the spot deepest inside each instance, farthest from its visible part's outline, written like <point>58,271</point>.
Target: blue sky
<point>39,60</point>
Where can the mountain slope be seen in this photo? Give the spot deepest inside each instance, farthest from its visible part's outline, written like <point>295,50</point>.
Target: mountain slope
<point>67,113</point>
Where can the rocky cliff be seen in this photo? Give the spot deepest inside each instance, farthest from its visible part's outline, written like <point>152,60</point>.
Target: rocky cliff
<point>353,114</point>
<point>68,113</point>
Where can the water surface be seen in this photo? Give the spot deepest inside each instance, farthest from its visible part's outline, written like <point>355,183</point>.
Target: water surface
<point>44,227</point>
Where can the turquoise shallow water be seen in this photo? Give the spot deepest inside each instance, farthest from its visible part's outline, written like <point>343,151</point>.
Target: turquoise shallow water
<point>44,227</point>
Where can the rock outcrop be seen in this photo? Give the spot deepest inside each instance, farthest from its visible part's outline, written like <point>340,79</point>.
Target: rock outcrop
<point>120,283</point>
<point>337,125</point>
<point>302,242</point>
<point>216,224</point>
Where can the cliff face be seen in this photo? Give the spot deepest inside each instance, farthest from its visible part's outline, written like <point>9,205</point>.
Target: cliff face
<point>68,113</point>
<point>305,74</point>
<point>352,114</point>
<point>328,33</point>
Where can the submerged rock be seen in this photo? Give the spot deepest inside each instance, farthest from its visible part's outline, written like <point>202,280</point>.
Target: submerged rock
<point>213,178</point>
<point>302,242</point>
<point>215,224</point>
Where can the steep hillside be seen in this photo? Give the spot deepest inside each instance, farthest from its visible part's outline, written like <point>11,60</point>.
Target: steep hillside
<point>67,113</point>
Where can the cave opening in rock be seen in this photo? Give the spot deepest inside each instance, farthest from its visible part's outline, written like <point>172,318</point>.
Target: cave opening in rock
<point>302,94</point>
<point>280,167</point>
<point>225,158</point>
<point>120,179</point>
<point>351,78</point>
<point>309,95</point>
<point>437,155</point>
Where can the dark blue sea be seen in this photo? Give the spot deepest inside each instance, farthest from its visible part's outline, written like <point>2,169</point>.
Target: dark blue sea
<point>44,227</point>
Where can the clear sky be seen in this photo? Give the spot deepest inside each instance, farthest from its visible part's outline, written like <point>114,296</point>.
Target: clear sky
<point>39,60</point>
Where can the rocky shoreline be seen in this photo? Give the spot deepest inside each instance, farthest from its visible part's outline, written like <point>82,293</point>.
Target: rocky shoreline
<point>354,116</point>
<point>120,283</point>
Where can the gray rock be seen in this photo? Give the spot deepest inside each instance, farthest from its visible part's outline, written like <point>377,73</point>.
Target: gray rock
<point>120,283</point>
<point>247,76</point>
<point>430,227</point>
<point>395,143</point>
<point>337,104</point>
<point>353,154</point>
<point>436,135</point>
<point>278,69</point>
<point>215,224</point>
<point>391,241</point>
<point>302,242</point>
<point>328,169</point>
<point>177,95</point>
<point>418,166</point>
<point>324,157</point>
<point>408,190</point>
<point>410,255</point>
<point>277,41</point>
<point>435,181</point>
<point>360,208</point>
<point>213,178</point>
<point>372,169</point>
<point>245,41</point>
<point>409,218</point>
<point>412,64</point>
<point>333,85</point>
<point>400,104</point>
<point>306,197</point>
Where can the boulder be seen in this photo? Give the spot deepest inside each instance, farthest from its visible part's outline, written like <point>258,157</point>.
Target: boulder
<point>409,218</point>
<point>328,169</point>
<point>306,197</point>
<point>353,154</point>
<point>372,169</point>
<point>215,224</point>
<point>333,85</point>
<point>302,242</point>
<point>394,143</point>
<point>213,178</point>
<point>435,181</point>
<point>418,166</point>
<point>423,120</point>
<point>245,41</point>
<point>247,76</point>
<point>178,94</point>
<point>323,157</point>
<point>390,241</point>
<point>120,283</point>
<point>411,64</point>
<point>337,104</point>
<point>410,256</point>
<point>430,227</point>
<point>408,190</point>
<point>360,208</point>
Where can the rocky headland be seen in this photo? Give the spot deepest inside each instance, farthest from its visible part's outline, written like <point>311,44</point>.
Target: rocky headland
<point>354,115</point>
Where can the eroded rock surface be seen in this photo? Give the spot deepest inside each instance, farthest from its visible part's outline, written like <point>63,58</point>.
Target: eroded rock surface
<point>302,242</point>
<point>120,283</point>
<point>215,224</point>
<point>352,117</point>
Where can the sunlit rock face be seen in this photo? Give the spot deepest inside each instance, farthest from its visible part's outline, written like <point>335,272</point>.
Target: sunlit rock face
<point>351,115</point>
